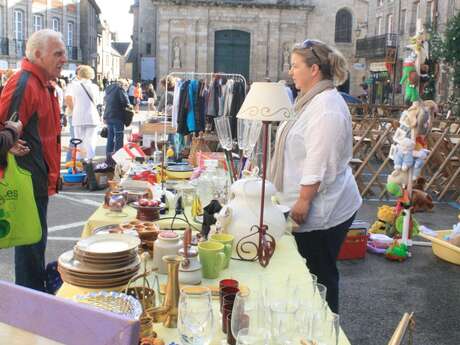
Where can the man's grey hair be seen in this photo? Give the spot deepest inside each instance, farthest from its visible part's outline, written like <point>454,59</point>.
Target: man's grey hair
<point>39,41</point>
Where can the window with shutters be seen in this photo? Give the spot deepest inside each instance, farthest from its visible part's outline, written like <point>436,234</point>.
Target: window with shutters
<point>38,22</point>
<point>390,23</point>
<point>56,24</point>
<point>343,26</point>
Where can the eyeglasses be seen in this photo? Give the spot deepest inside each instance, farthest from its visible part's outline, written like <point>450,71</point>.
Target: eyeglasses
<point>310,44</point>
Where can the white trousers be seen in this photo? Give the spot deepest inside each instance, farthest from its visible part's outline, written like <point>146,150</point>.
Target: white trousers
<point>87,133</point>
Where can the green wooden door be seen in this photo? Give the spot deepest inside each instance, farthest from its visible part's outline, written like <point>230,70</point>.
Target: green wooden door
<point>231,52</point>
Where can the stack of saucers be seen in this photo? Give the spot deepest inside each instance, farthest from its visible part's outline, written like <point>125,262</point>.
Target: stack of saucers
<point>101,261</point>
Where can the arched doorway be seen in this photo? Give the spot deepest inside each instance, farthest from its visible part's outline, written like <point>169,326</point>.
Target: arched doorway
<point>232,51</point>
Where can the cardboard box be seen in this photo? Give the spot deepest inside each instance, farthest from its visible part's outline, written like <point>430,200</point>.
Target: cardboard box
<point>103,179</point>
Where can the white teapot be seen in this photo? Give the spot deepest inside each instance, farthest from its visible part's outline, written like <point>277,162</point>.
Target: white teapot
<point>243,212</point>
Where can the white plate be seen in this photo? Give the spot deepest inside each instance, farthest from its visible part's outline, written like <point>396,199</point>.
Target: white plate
<point>108,244</point>
<point>68,262</point>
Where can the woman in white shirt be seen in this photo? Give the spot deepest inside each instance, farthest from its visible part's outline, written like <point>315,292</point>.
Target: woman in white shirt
<point>310,165</point>
<point>82,100</point>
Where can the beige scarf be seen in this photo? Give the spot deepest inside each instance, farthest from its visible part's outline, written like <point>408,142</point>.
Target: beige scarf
<point>277,163</point>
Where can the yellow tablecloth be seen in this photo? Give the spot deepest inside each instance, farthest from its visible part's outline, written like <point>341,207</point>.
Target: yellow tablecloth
<point>286,260</point>
<point>104,216</point>
<point>15,336</point>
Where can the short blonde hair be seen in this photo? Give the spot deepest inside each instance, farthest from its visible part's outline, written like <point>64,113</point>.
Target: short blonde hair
<point>331,62</point>
<point>85,72</point>
<point>123,82</point>
<point>39,41</point>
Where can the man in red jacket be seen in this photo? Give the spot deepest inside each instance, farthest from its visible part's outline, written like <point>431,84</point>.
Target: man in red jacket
<point>39,112</point>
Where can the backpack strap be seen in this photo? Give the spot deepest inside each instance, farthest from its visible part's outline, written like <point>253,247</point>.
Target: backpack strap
<point>17,96</point>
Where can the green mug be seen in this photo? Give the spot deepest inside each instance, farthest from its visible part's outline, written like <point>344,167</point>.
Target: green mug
<point>212,258</point>
<point>227,241</point>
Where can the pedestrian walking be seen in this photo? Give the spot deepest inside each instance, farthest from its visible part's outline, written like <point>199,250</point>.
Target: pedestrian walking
<point>116,101</point>
<point>82,99</point>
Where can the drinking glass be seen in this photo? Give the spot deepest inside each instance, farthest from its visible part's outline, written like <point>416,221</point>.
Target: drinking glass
<point>224,132</point>
<point>195,317</point>
<point>319,298</point>
<point>240,132</point>
<point>249,336</point>
<point>325,329</point>
<point>252,133</point>
<point>333,322</point>
<point>248,313</point>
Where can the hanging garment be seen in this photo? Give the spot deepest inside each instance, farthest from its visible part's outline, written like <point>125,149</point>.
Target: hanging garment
<point>239,94</point>
<point>176,99</point>
<point>200,114</point>
<point>223,88</point>
<point>199,108</point>
<point>192,92</point>
<point>213,98</point>
<point>228,97</point>
<point>183,109</point>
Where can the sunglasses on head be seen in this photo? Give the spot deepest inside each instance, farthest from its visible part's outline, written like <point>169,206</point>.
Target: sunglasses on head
<point>310,44</point>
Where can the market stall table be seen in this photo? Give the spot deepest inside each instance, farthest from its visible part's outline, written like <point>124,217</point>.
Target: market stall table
<point>103,216</point>
<point>247,273</point>
<point>15,336</point>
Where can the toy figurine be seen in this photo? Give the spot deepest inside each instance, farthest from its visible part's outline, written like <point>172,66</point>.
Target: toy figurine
<point>397,252</point>
<point>403,158</point>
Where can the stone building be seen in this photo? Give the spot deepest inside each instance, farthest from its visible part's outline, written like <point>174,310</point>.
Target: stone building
<point>20,18</point>
<point>90,28</point>
<point>251,37</point>
<point>386,33</point>
<point>108,62</point>
<point>126,67</point>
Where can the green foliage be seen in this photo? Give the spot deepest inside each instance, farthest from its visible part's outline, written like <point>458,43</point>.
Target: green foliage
<point>437,47</point>
<point>452,47</point>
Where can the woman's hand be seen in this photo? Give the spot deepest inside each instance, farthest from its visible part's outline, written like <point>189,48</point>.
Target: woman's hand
<point>20,148</point>
<point>300,210</point>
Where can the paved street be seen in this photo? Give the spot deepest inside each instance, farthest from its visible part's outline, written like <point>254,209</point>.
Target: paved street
<point>374,292</point>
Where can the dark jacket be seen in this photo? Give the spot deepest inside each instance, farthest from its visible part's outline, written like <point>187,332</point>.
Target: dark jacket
<point>116,100</point>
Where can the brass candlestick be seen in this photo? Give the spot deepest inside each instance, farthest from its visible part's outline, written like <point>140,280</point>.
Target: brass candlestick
<point>171,301</point>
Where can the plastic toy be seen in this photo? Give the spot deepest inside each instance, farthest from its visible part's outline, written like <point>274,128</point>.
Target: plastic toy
<point>385,221</point>
<point>74,174</point>
<point>397,252</point>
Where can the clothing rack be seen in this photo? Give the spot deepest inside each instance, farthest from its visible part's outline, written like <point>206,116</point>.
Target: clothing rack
<point>195,75</point>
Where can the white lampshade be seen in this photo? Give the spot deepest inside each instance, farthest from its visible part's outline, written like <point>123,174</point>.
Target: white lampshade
<point>266,102</point>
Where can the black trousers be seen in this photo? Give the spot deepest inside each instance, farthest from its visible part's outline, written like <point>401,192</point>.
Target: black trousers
<point>320,248</point>
<point>30,259</point>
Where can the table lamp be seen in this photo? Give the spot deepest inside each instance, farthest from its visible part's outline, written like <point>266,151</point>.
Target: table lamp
<point>266,102</point>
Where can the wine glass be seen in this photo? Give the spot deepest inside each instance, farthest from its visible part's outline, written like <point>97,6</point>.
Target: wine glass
<point>195,316</point>
<point>249,313</point>
<point>325,329</point>
<point>224,132</point>
<point>250,336</point>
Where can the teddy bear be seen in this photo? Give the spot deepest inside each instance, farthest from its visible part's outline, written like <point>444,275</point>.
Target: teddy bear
<point>399,177</point>
<point>384,222</point>
<point>402,157</point>
<point>419,160</point>
<point>421,200</point>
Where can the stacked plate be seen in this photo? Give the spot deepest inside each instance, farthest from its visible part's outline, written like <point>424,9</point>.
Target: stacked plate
<point>101,261</point>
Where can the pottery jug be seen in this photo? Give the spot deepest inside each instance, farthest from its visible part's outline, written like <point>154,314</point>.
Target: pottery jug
<point>117,201</point>
<point>167,243</point>
<point>190,268</point>
<point>244,206</point>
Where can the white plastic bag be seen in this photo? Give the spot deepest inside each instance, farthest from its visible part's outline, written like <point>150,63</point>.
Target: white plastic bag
<point>127,154</point>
